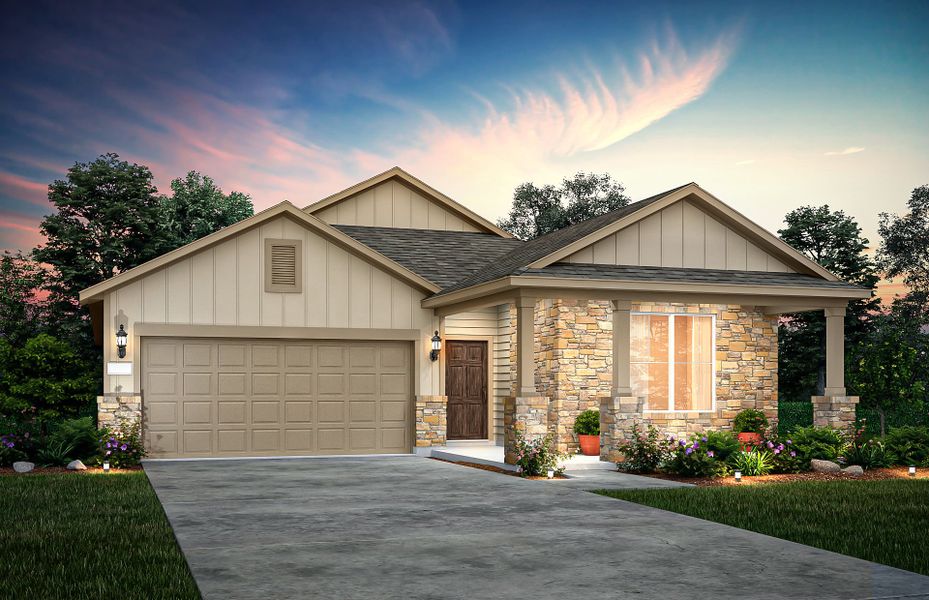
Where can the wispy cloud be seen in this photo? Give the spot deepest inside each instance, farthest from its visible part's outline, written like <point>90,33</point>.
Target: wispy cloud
<point>849,150</point>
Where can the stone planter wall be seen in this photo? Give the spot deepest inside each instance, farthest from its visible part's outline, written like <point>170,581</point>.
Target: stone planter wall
<point>617,416</point>
<point>834,411</point>
<point>431,420</point>
<point>114,410</point>
<point>529,415</point>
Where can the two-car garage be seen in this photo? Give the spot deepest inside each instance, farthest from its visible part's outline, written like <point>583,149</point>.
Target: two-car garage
<point>208,397</point>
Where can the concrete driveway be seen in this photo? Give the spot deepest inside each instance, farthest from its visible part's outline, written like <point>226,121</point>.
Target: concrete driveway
<point>417,528</point>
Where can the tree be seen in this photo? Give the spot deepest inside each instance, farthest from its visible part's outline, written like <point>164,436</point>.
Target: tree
<point>904,249</point>
<point>22,305</point>
<point>832,239</point>
<point>106,222</point>
<point>198,208</point>
<point>540,210</point>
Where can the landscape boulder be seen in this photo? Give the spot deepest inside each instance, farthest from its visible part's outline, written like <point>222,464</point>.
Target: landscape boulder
<point>824,466</point>
<point>22,466</point>
<point>76,465</point>
<point>854,471</point>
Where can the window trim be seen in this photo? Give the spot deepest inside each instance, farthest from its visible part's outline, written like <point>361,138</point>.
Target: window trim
<point>671,363</point>
<point>297,245</point>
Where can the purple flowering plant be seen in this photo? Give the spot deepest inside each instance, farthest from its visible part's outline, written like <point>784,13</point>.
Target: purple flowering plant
<point>121,445</point>
<point>784,456</point>
<point>696,457</point>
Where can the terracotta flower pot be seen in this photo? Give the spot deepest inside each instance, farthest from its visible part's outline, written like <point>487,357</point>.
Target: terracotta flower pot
<point>749,440</point>
<point>590,444</point>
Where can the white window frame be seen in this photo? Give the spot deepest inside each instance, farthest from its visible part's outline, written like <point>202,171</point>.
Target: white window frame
<point>671,363</point>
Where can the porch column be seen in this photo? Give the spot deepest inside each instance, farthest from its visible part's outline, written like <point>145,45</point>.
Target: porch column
<point>525,347</point>
<point>835,352</point>
<point>622,334</point>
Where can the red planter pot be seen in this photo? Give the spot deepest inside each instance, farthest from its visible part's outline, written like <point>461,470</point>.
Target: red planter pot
<point>590,444</point>
<point>749,440</point>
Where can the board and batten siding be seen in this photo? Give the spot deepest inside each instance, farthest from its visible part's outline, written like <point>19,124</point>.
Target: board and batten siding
<point>680,235</point>
<point>224,285</point>
<point>492,324</point>
<point>392,204</point>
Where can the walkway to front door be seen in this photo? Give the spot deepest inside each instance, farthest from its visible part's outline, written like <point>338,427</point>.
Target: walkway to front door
<point>466,387</point>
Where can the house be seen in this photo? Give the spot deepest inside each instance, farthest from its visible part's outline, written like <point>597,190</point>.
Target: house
<point>310,332</point>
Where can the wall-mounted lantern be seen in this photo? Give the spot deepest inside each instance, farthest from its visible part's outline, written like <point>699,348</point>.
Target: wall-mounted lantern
<point>121,338</point>
<point>436,347</point>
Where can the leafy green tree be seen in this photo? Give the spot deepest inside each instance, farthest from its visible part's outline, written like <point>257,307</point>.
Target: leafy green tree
<point>198,208</point>
<point>832,239</point>
<point>904,249</point>
<point>22,305</point>
<point>45,377</point>
<point>540,210</point>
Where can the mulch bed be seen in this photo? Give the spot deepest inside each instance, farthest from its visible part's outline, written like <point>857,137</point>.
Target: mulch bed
<point>869,475</point>
<point>62,470</point>
<point>495,469</point>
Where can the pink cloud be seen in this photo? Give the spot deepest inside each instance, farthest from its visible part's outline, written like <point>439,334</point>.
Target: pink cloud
<point>24,189</point>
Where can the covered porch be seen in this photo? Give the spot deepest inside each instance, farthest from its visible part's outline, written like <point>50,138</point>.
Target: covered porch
<point>581,343</point>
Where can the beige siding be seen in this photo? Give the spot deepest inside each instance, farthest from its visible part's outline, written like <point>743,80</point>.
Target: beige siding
<point>491,324</point>
<point>680,235</point>
<point>392,204</point>
<point>224,285</point>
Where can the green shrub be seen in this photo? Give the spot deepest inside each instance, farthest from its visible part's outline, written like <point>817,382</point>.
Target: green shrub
<point>791,415</point>
<point>723,443</point>
<point>750,421</point>
<point>536,457</point>
<point>54,453</point>
<point>694,458</point>
<point>824,443</point>
<point>45,376</point>
<point>587,423</point>
<point>871,454</point>
<point>909,446</point>
<point>753,463</point>
<point>898,416</point>
<point>19,438</point>
<point>80,434</point>
<point>9,450</point>
<point>784,457</point>
<point>121,446</point>
<point>643,451</point>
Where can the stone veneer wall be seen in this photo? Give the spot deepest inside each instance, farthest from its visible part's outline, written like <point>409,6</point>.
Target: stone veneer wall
<point>114,410</point>
<point>834,411</point>
<point>431,420</point>
<point>574,363</point>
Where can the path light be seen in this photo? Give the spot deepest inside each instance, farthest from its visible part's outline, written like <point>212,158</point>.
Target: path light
<point>551,473</point>
<point>738,476</point>
<point>106,466</point>
<point>121,339</point>
<point>912,470</point>
<point>436,347</point>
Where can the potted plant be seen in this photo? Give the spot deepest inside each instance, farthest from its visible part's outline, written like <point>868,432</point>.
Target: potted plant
<point>587,428</point>
<point>750,424</point>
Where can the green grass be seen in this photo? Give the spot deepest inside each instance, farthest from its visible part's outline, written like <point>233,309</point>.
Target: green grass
<point>88,536</point>
<point>880,521</point>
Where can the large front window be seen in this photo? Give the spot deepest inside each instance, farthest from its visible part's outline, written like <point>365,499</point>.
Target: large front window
<point>672,361</point>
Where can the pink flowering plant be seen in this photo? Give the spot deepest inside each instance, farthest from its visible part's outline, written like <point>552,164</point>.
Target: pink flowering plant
<point>121,446</point>
<point>535,457</point>
<point>644,450</point>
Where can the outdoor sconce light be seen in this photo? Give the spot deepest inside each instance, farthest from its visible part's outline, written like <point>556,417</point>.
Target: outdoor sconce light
<point>738,476</point>
<point>121,338</point>
<point>436,347</point>
<point>913,471</point>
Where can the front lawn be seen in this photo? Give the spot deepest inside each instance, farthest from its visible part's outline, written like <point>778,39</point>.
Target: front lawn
<point>88,536</point>
<point>881,521</point>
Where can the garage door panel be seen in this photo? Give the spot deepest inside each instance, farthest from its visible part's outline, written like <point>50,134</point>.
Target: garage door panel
<point>264,397</point>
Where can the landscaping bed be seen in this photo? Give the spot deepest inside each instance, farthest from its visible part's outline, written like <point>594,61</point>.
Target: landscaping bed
<point>869,475</point>
<point>884,521</point>
<point>496,469</point>
<point>91,535</point>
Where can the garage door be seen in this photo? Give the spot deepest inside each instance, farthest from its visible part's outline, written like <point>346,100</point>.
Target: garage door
<point>230,397</point>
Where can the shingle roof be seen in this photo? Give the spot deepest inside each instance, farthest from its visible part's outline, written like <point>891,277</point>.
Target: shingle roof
<point>442,257</point>
<point>542,246</point>
<point>679,275</point>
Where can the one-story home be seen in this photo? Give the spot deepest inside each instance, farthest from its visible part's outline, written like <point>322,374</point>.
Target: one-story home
<point>388,318</point>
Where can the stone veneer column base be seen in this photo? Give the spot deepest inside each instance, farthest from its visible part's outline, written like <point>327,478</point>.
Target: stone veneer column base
<point>116,409</point>
<point>530,415</point>
<point>834,411</point>
<point>617,415</point>
<point>431,420</point>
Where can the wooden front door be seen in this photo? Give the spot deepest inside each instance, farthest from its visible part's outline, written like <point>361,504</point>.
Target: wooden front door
<point>466,387</point>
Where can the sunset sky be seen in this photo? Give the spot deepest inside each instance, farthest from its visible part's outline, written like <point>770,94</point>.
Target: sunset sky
<point>767,106</point>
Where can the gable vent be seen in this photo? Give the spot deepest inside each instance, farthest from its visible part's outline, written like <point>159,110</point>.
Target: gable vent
<point>283,265</point>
